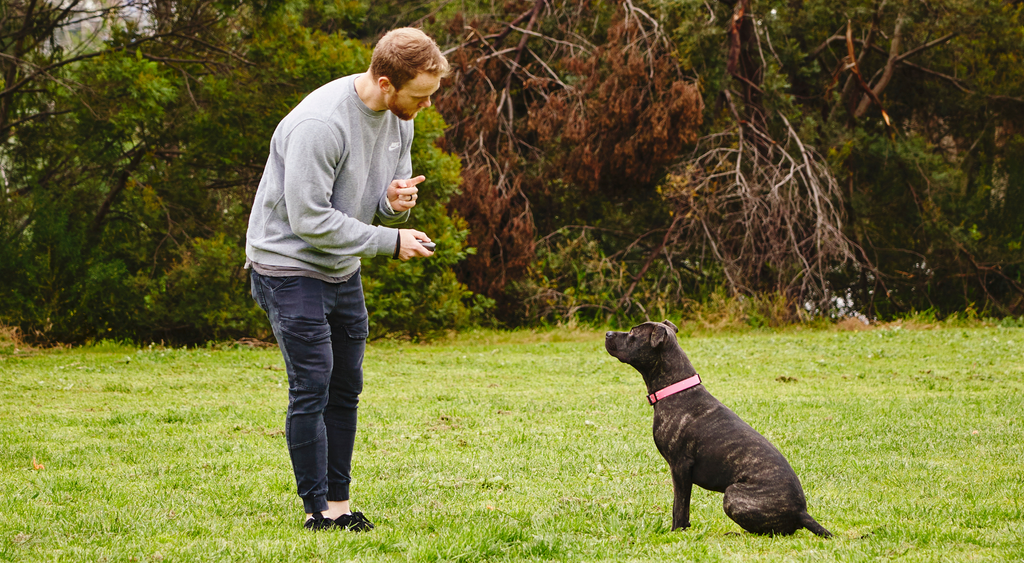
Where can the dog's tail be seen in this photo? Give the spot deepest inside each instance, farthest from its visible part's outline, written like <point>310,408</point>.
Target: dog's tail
<point>811,524</point>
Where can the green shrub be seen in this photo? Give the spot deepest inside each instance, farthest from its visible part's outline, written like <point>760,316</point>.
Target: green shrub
<point>126,210</point>
<point>423,296</point>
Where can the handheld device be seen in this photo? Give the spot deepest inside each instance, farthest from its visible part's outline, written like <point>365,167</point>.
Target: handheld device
<point>428,245</point>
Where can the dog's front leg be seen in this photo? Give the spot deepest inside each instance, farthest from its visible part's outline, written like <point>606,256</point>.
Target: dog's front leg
<point>682,483</point>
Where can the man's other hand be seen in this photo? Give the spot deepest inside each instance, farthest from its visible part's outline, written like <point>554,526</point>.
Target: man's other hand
<point>402,194</point>
<point>411,247</point>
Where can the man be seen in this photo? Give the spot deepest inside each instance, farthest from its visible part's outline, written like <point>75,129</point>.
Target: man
<point>341,157</point>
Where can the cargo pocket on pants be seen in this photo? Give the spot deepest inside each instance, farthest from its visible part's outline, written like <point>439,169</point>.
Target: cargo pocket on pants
<point>358,331</point>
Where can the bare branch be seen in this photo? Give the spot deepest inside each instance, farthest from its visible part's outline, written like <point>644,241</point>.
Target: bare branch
<point>958,84</point>
<point>890,69</point>
<point>650,260</point>
<point>926,46</point>
<point>32,117</point>
<point>825,44</point>
<point>495,39</point>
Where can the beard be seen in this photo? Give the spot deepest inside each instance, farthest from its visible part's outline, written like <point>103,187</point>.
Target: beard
<point>399,112</point>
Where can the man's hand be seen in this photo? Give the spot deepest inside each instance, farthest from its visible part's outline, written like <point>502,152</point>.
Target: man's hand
<point>411,247</point>
<point>402,194</point>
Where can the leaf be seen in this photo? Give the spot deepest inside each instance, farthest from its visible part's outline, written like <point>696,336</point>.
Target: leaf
<point>36,466</point>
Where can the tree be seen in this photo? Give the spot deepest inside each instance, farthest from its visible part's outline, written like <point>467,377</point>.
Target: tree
<point>132,160</point>
<point>562,113</point>
<point>914,109</point>
<point>96,110</point>
<point>931,108</point>
<point>852,156</point>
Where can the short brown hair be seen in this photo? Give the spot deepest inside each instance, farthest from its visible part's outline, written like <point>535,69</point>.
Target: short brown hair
<point>405,52</point>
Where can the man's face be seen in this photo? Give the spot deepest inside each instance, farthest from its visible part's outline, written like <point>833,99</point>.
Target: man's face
<point>413,96</point>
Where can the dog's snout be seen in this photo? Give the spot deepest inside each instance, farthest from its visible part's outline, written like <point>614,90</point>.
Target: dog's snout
<point>608,334</point>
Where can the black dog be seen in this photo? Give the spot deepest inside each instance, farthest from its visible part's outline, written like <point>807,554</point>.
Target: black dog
<point>706,443</point>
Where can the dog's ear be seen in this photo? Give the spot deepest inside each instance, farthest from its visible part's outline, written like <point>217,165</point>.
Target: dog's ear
<point>674,328</point>
<point>659,336</point>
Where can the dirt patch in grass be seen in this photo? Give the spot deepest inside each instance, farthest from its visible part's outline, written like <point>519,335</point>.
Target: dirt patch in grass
<point>853,323</point>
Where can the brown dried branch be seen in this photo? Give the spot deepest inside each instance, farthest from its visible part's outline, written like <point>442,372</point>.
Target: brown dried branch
<point>851,64</point>
<point>586,117</point>
<point>495,38</point>
<point>519,53</point>
<point>873,93</point>
<point>894,58</point>
<point>768,212</point>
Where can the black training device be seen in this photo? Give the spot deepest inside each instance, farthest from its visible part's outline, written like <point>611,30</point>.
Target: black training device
<point>428,245</point>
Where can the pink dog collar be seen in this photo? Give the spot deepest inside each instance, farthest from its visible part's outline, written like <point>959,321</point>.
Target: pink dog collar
<point>674,388</point>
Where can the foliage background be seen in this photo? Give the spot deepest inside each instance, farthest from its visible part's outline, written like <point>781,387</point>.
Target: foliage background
<point>126,207</point>
<point>566,163</point>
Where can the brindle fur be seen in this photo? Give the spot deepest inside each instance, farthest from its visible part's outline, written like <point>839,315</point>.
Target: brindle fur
<point>707,444</point>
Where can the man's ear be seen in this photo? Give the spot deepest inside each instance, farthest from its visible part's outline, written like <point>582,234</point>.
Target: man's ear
<point>674,328</point>
<point>384,83</point>
<point>659,336</point>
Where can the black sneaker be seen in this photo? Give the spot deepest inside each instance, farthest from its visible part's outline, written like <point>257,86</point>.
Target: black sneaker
<point>318,522</point>
<point>354,522</point>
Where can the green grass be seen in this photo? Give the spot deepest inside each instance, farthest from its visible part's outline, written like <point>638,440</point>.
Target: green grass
<point>515,447</point>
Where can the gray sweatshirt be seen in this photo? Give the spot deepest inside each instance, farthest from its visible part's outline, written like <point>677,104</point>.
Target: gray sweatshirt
<point>331,161</point>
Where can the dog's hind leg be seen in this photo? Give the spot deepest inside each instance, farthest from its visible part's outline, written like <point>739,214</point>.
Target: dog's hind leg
<point>747,506</point>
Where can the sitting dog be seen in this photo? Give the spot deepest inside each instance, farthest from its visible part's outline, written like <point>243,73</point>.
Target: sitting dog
<point>706,443</point>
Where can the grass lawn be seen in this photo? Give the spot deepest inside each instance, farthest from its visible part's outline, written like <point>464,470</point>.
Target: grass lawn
<point>516,447</point>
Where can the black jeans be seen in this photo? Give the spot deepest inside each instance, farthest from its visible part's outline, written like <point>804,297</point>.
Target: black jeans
<point>321,329</point>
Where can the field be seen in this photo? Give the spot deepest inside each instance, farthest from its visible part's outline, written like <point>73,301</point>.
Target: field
<point>515,447</point>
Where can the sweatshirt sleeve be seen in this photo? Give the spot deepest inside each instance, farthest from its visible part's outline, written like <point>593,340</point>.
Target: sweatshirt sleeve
<point>312,154</point>
<point>389,216</point>
<point>385,213</point>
